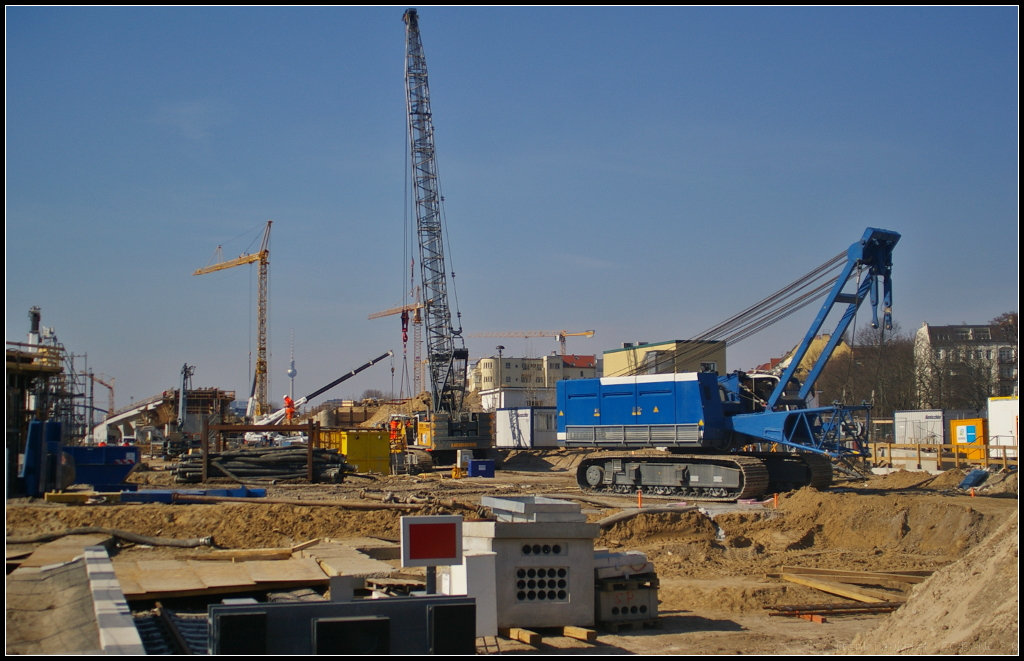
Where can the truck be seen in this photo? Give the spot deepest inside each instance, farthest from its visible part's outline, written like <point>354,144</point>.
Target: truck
<point>690,434</point>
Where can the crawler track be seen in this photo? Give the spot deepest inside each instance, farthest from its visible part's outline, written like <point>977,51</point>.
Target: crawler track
<point>753,483</point>
<point>758,474</point>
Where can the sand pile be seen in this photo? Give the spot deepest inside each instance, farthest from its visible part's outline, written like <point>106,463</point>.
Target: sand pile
<point>232,525</point>
<point>969,607</point>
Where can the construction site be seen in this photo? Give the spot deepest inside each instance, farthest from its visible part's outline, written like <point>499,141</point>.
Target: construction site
<point>641,501</point>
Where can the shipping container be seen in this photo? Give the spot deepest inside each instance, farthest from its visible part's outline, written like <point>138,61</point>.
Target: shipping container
<point>369,451</point>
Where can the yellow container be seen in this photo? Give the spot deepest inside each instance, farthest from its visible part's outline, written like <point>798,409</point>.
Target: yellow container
<point>369,451</point>
<point>972,434</point>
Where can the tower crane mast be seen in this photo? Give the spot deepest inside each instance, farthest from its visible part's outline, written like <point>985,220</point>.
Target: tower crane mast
<point>258,399</point>
<point>447,356</point>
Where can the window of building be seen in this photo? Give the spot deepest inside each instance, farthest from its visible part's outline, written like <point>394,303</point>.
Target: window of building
<point>508,364</point>
<point>709,367</point>
<point>1006,371</point>
<point>556,366</point>
<point>1006,355</point>
<point>508,379</point>
<point>539,379</point>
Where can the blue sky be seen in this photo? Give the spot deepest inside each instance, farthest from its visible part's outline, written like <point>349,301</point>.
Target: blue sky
<point>645,173</point>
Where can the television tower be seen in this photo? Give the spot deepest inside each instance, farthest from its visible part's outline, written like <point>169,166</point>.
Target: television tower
<point>291,369</point>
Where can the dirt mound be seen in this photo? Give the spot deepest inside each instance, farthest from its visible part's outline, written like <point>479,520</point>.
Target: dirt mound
<point>232,525</point>
<point>969,607</point>
<point>856,521</point>
<point>901,479</point>
<point>686,527</point>
<point>543,460</point>
<point>1000,483</point>
<point>948,480</point>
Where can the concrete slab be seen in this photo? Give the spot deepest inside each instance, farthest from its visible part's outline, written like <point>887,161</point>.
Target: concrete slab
<point>338,559</point>
<point>51,612</point>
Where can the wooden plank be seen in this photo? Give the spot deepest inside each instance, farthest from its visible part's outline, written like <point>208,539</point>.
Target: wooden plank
<point>126,572</point>
<point>81,497</point>
<point>531,638</point>
<point>221,574</point>
<point>305,545</point>
<point>179,579</point>
<point>866,575</point>
<point>161,565</point>
<point>281,571</point>
<point>64,549</point>
<point>832,588</point>
<point>242,555</point>
<point>579,633</point>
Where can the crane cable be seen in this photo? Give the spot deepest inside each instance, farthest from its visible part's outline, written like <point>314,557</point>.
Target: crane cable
<point>757,317</point>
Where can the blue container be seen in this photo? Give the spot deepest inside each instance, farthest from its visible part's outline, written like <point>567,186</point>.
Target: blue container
<point>103,465</point>
<point>481,468</point>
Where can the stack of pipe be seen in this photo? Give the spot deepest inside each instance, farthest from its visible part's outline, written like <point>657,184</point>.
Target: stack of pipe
<point>265,464</point>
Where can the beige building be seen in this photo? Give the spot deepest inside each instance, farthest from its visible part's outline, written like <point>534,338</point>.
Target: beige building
<point>665,358</point>
<point>530,373</point>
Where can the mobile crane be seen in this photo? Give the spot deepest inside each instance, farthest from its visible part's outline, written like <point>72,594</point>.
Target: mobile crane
<point>702,420</point>
<point>446,427</point>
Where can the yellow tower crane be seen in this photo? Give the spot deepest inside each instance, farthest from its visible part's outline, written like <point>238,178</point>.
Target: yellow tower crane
<point>561,335</point>
<point>258,398</point>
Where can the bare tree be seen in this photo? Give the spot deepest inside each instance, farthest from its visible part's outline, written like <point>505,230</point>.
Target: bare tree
<point>879,370</point>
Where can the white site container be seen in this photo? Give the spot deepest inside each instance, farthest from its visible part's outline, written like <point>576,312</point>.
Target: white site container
<point>1003,423</point>
<point>524,428</point>
<point>929,427</point>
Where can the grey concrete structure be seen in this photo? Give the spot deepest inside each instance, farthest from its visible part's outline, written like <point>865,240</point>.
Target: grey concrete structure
<point>544,571</point>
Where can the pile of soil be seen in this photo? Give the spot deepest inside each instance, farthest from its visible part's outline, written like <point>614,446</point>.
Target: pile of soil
<point>232,525</point>
<point>969,607</point>
<point>543,460</point>
<point>901,479</point>
<point>810,529</point>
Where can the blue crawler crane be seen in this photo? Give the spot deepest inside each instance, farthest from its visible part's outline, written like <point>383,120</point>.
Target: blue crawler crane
<point>683,432</point>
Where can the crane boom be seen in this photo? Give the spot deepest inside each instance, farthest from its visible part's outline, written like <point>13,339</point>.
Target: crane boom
<point>447,356</point>
<point>258,401</point>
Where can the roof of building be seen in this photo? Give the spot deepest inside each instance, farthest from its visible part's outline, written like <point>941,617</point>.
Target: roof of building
<point>965,333</point>
<point>582,362</point>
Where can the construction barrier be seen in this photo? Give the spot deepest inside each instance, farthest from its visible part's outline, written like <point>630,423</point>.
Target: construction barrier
<point>924,456</point>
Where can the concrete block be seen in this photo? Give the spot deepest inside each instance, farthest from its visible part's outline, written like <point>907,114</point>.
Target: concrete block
<point>476,578</point>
